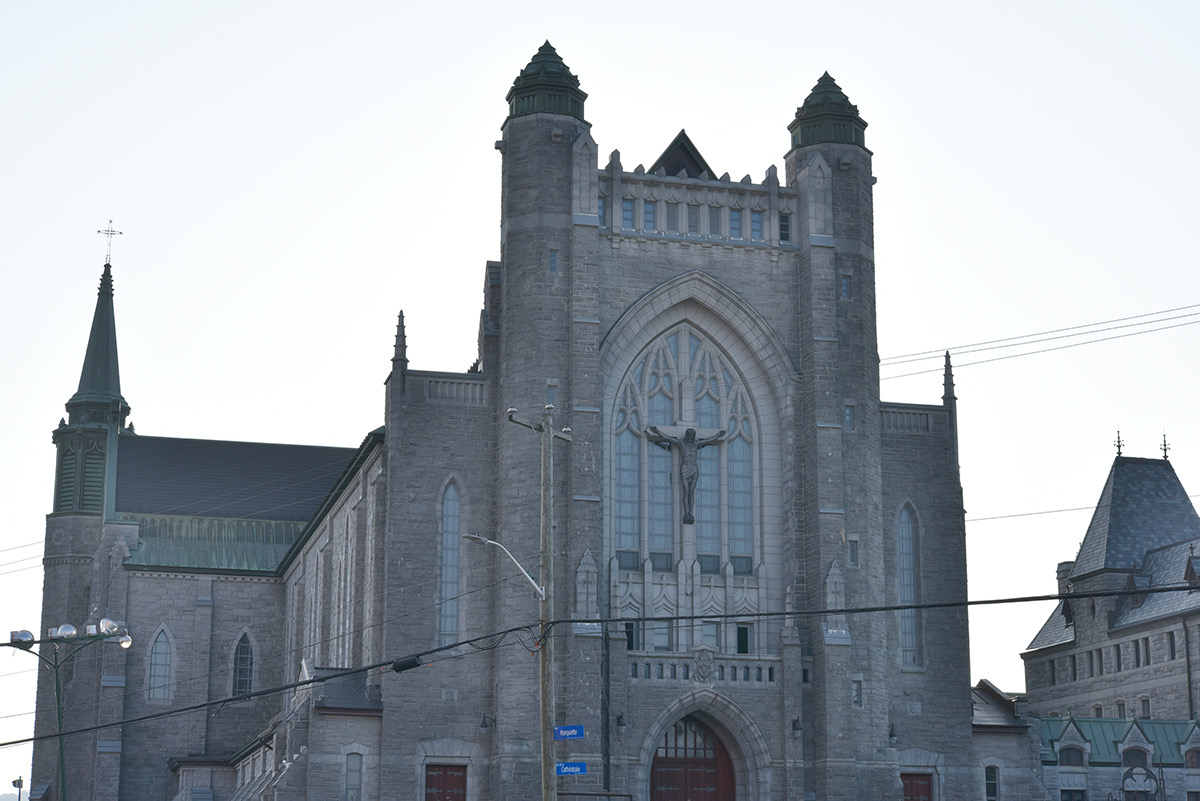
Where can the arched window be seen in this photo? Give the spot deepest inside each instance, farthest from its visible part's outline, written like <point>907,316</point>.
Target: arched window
<point>243,667</point>
<point>991,783</point>
<point>909,584</point>
<point>1070,755</point>
<point>158,685</point>
<point>451,531</point>
<point>354,771</point>
<point>1191,759</point>
<point>1134,758</point>
<point>682,382</point>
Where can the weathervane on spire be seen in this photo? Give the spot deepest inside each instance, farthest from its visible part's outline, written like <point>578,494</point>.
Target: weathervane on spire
<point>110,232</point>
<point>1165,447</point>
<point>1118,443</point>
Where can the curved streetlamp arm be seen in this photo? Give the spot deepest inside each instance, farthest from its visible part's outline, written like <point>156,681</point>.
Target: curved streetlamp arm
<point>541,591</point>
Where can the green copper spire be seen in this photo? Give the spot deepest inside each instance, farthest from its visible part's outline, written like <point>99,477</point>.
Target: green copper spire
<point>546,85</point>
<point>827,116</point>
<point>100,381</point>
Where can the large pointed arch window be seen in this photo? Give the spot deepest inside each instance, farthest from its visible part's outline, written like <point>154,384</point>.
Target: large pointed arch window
<point>683,381</point>
<point>451,533</point>
<point>908,579</point>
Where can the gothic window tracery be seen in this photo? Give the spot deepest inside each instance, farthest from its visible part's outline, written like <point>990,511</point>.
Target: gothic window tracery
<point>683,380</point>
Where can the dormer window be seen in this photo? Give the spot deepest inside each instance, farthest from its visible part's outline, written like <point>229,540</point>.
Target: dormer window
<point>1191,759</point>
<point>1070,756</point>
<point>1134,758</point>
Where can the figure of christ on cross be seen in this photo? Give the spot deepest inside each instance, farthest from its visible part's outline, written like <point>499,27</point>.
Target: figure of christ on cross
<point>689,467</point>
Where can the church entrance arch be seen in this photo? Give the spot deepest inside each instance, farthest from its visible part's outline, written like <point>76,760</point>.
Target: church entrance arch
<point>691,764</point>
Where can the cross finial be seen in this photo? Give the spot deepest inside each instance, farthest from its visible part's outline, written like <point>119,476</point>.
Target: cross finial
<point>110,232</point>
<point>1118,443</point>
<point>1165,447</point>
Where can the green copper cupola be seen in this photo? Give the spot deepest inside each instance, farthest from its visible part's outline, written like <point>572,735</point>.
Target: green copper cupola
<point>546,85</point>
<point>827,116</point>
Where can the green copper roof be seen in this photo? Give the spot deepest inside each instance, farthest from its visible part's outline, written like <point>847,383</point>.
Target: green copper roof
<point>200,543</point>
<point>100,381</point>
<point>546,85</point>
<point>827,116</point>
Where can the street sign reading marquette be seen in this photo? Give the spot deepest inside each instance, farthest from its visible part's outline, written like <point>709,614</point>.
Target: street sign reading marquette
<point>568,732</point>
<point>570,768</point>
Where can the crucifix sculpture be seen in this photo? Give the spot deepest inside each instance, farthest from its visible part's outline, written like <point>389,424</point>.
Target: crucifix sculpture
<point>689,468</point>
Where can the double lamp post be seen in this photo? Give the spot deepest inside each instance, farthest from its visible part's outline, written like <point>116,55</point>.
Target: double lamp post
<point>64,644</point>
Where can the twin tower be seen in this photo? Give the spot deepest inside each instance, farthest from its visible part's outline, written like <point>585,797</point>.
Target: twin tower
<point>732,483</point>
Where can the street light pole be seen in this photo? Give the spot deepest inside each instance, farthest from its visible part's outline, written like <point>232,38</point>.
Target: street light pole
<point>108,631</point>
<point>546,604</point>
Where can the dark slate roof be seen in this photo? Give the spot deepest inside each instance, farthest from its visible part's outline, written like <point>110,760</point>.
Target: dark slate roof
<point>349,692</point>
<point>992,707</point>
<point>1056,631</point>
<point>1106,734</point>
<point>1163,567</point>
<point>1143,507</point>
<point>682,154</point>
<point>208,478</point>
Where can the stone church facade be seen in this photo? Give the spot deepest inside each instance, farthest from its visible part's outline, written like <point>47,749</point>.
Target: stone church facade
<point>731,474</point>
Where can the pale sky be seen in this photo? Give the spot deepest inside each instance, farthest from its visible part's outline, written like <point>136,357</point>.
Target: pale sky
<point>290,175</point>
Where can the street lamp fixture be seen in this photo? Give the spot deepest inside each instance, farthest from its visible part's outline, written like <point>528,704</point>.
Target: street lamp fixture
<point>59,639</point>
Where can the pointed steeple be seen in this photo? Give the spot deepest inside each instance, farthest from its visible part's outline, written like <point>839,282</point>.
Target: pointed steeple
<point>100,379</point>
<point>827,116</point>
<point>950,402</point>
<point>400,357</point>
<point>948,382</point>
<point>546,85</point>
<point>96,414</point>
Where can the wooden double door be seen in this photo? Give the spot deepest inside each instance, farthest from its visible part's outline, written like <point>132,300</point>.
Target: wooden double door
<point>691,764</point>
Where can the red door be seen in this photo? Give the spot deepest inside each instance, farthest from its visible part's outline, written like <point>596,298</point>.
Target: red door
<point>917,786</point>
<point>445,782</point>
<point>691,764</point>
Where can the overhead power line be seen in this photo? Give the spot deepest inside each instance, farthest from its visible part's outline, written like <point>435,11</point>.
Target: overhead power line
<point>414,660</point>
<point>1039,336</point>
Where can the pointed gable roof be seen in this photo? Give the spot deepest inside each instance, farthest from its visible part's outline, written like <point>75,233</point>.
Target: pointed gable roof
<point>681,154</point>
<point>100,379</point>
<point>1143,507</point>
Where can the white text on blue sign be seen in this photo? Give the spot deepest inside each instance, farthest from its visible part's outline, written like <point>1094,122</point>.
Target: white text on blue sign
<point>570,768</point>
<point>568,732</point>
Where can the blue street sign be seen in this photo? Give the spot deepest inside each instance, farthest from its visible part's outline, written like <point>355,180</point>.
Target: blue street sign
<point>570,768</point>
<point>568,732</point>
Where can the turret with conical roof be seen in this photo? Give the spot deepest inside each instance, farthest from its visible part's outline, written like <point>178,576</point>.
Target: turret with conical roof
<point>546,84</point>
<point>86,441</point>
<point>827,116</point>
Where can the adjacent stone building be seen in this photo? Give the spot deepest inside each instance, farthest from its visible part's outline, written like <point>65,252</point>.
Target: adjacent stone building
<point>731,480</point>
<point>1121,649</point>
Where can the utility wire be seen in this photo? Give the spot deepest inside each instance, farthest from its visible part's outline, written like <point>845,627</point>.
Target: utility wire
<point>1043,350</point>
<point>937,354</point>
<point>531,627</point>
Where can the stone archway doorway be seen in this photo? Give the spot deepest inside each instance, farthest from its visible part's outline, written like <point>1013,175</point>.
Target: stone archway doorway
<point>691,764</point>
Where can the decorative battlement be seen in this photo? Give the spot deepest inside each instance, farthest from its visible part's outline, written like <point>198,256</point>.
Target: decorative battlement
<point>906,418</point>
<point>696,208</point>
<point>450,388</point>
